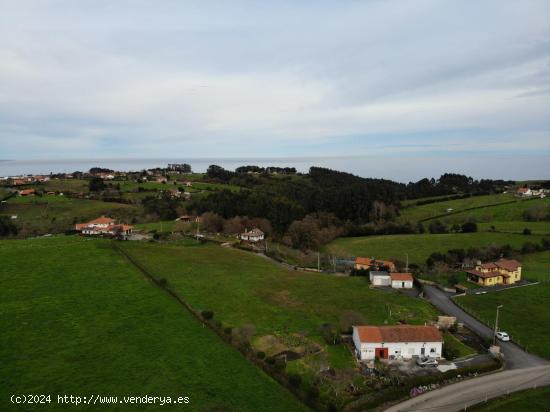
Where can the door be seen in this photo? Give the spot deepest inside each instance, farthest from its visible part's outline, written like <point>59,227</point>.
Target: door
<point>381,353</point>
<point>422,351</point>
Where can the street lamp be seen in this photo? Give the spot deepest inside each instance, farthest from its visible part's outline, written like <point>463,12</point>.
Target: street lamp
<point>496,325</point>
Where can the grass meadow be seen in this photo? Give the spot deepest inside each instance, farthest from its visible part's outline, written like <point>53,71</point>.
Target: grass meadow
<point>78,319</point>
<point>524,401</point>
<point>420,246</point>
<point>244,289</point>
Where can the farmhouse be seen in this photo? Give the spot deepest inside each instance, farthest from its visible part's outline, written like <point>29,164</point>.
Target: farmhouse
<point>255,235</point>
<point>27,192</point>
<point>394,342</point>
<point>104,226</point>
<point>379,278</point>
<point>362,263</point>
<point>501,272</point>
<point>524,192</point>
<point>401,280</point>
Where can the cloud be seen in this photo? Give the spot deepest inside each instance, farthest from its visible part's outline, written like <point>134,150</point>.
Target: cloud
<point>251,78</point>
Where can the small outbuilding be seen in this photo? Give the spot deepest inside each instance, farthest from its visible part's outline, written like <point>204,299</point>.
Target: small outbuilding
<point>401,280</point>
<point>379,278</point>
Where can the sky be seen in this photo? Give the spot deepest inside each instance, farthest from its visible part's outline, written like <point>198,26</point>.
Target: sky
<point>423,86</point>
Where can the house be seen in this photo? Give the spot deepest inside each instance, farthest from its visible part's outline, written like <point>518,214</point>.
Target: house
<point>104,226</point>
<point>401,280</point>
<point>184,218</point>
<point>255,235</point>
<point>27,192</point>
<point>379,278</point>
<point>501,272</point>
<point>401,341</point>
<point>161,179</point>
<point>524,192</point>
<point>362,263</point>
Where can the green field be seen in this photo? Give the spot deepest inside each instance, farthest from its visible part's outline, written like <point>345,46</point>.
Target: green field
<point>58,213</point>
<point>499,213</point>
<point>415,213</point>
<point>78,319</point>
<point>537,228</point>
<point>242,289</point>
<point>460,348</point>
<point>530,400</point>
<point>536,266</point>
<point>419,247</point>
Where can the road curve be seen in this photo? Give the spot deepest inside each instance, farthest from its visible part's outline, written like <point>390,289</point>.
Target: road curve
<point>515,357</point>
<point>462,395</point>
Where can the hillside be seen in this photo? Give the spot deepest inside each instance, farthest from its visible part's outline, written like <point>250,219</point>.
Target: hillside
<point>77,319</point>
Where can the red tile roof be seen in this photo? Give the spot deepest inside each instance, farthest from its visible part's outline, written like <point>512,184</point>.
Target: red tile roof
<point>402,277</point>
<point>508,264</point>
<point>484,275</point>
<point>399,333</point>
<point>375,262</point>
<point>101,221</point>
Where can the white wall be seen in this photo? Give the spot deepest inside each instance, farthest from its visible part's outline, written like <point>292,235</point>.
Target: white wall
<point>405,350</point>
<point>398,284</point>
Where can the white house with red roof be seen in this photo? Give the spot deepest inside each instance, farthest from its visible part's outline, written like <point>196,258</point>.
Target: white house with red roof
<point>104,226</point>
<point>401,280</point>
<point>397,342</point>
<point>254,235</point>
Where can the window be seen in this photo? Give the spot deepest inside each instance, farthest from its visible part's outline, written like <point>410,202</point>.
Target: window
<point>432,350</point>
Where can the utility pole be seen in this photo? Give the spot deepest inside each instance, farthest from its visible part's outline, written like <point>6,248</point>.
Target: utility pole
<point>318,261</point>
<point>496,325</point>
<point>198,224</point>
<point>407,266</point>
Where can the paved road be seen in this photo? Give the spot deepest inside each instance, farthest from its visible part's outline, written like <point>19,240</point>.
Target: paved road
<point>515,357</point>
<point>469,392</point>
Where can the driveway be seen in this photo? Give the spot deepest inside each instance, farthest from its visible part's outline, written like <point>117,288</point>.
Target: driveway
<point>515,357</point>
<point>469,392</point>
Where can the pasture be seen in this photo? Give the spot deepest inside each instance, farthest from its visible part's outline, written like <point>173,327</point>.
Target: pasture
<point>79,319</point>
<point>430,210</point>
<point>245,289</point>
<point>523,401</point>
<point>420,246</point>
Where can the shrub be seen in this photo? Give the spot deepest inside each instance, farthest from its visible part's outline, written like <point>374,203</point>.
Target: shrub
<point>526,231</point>
<point>163,282</point>
<point>469,227</point>
<point>295,379</point>
<point>260,354</point>
<point>207,314</point>
<point>228,330</point>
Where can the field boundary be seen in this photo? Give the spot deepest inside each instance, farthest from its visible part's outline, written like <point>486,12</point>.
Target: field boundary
<point>278,377</point>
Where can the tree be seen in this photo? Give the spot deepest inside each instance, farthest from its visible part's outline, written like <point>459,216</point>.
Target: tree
<point>526,231</point>
<point>96,184</point>
<point>7,227</point>
<point>437,227</point>
<point>469,227</point>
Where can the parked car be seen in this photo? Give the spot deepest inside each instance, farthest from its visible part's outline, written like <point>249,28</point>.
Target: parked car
<point>423,362</point>
<point>503,336</point>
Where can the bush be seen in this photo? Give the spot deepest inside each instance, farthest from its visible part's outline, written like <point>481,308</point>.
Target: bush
<point>260,354</point>
<point>437,227</point>
<point>163,282</point>
<point>207,314</point>
<point>528,247</point>
<point>228,330</point>
<point>526,231</point>
<point>295,379</point>
<point>469,227</point>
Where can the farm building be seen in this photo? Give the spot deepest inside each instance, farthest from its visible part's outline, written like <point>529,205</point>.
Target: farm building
<point>255,235</point>
<point>394,342</point>
<point>374,264</point>
<point>379,278</point>
<point>401,280</point>
<point>27,192</point>
<point>501,272</point>
<point>104,226</point>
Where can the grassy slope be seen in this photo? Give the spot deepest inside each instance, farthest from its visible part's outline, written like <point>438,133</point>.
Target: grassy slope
<point>525,401</point>
<point>415,213</point>
<point>499,213</point>
<point>537,228</point>
<point>525,309</point>
<point>245,289</point>
<point>77,319</point>
<point>58,212</point>
<point>419,247</point>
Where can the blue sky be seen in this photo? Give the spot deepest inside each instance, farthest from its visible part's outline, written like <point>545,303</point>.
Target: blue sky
<point>453,81</point>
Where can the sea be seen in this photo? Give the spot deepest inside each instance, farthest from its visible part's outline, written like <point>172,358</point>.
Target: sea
<point>395,167</point>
